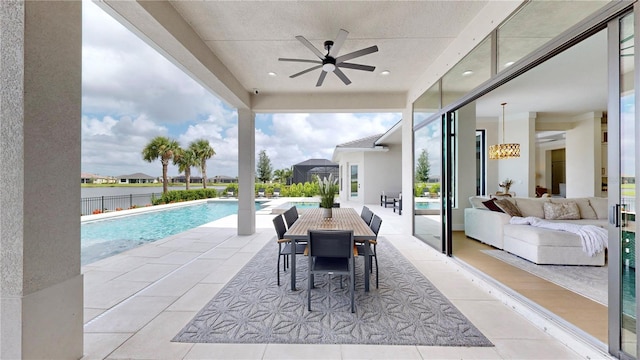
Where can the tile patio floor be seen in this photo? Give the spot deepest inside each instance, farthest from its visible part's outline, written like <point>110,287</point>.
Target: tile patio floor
<point>137,301</point>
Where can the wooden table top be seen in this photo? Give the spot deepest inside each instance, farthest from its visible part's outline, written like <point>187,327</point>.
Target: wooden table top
<point>342,219</point>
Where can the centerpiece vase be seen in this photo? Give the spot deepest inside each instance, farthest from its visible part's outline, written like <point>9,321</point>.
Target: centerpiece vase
<point>327,213</point>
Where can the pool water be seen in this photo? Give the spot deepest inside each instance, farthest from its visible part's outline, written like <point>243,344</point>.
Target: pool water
<point>428,205</point>
<point>104,238</point>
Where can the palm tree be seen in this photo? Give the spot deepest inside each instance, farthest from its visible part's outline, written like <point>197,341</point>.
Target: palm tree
<point>185,159</point>
<point>203,152</point>
<point>163,148</point>
<point>278,175</point>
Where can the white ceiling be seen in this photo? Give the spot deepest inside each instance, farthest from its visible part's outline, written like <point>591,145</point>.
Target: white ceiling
<point>250,36</point>
<point>235,44</point>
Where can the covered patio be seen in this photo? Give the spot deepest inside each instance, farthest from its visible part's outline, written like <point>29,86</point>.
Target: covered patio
<point>136,302</point>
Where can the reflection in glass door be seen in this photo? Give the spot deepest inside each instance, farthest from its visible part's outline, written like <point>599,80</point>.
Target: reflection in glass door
<point>353,181</point>
<point>626,212</point>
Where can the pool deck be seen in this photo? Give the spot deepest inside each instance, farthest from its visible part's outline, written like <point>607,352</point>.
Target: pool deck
<point>137,301</point>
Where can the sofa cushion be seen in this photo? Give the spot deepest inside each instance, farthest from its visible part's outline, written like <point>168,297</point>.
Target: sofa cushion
<point>600,206</point>
<point>531,206</point>
<point>477,202</point>
<point>507,207</point>
<point>598,222</point>
<point>563,211</point>
<point>542,237</point>
<point>491,205</point>
<point>586,211</point>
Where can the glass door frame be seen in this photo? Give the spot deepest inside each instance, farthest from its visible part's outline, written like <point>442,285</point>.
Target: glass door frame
<point>614,180</point>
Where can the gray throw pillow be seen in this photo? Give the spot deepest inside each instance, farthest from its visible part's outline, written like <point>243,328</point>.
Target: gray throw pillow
<point>508,207</point>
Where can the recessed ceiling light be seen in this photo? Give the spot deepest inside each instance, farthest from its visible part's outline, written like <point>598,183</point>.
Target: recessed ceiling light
<point>385,72</point>
<point>467,73</point>
<point>271,73</point>
<point>509,63</point>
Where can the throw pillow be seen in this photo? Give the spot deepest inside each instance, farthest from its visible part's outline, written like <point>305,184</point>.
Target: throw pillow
<point>489,204</point>
<point>564,211</point>
<point>508,207</point>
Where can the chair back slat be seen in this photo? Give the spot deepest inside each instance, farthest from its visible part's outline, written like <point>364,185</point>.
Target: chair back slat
<point>376,222</point>
<point>290,216</point>
<point>278,223</point>
<point>366,214</point>
<point>331,243</point>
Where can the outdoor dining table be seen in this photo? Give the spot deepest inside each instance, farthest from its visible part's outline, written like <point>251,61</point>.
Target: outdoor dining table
<point>342,219</point>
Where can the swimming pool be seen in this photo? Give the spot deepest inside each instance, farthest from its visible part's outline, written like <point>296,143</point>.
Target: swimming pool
<point>431,205</point>
<point>103,238</point>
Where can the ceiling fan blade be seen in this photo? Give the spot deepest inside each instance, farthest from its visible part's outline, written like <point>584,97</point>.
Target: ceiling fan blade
<point>306,71</point>
<point>342,76</point>
<point>323,74</point>
<point>356,54</point>
<point>342,36</point>
<point>301,60</point>
<point>356,66</point>
<point>310,46</point>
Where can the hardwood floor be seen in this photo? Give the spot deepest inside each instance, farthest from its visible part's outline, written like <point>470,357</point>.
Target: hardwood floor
<point>584,313</point>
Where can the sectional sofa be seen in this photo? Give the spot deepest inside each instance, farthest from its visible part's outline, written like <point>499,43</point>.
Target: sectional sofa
<point>538,245</point>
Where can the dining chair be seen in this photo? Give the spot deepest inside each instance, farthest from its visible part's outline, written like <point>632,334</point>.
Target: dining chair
<point>290,216</point>
<point>331,252</point>
<point>284,245</point>
<point>376,222</point>
<point>366,214</point>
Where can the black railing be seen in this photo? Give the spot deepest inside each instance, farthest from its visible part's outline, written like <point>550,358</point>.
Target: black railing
<point>100,204</point>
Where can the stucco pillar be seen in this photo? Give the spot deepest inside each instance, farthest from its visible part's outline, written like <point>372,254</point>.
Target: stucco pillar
<point>246,172</point>
<point>41,292</point>
<point>407,169</point>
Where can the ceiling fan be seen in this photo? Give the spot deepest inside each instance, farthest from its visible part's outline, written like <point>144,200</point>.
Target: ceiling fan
<point>329,62</point>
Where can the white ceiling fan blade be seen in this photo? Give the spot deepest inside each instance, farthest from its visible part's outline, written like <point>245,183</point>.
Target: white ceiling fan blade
<point>342,76</point>
<point>342,36</point>
<point>323,74</point>
<point>306,71</point>
<point>356,54</point>
<point>301,60</point>
<point>310,46</point>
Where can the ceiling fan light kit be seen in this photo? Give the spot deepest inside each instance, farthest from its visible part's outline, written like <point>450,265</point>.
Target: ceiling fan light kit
<point>329,62</point>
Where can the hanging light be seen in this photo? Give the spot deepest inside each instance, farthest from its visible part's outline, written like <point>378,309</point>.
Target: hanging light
<point>503,150</point>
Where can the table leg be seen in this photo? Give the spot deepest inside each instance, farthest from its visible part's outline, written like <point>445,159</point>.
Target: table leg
<point>366,265</point>
<point>294,244</point>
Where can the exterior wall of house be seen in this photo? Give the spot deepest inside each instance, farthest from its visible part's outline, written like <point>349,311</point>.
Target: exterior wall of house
<point>383,173</point>
<point>41,287</point>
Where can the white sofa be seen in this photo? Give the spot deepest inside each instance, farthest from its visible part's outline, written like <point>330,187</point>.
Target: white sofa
<point>538,245</point>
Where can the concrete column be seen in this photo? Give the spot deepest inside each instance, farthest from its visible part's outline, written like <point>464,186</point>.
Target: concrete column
<point>246,172</point>
<point>407,169</point>
<point>583,156</point>
<point>41,290</point>
<point>465,162</point>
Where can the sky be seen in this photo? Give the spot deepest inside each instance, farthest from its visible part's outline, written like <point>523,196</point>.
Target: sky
<point>131,94</point>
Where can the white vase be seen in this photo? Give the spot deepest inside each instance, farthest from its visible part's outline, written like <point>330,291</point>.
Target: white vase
<point>327,213</point>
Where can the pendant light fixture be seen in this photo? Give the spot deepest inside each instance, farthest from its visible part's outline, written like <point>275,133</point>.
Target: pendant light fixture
<point>503,150</point>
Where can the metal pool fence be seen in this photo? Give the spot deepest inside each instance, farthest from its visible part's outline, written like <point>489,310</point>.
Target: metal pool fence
<point>99,204</point>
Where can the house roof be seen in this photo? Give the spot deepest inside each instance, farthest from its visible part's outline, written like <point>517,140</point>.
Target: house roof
<point>316,162</point>
<point>135,176</point>
<point>364,143</point>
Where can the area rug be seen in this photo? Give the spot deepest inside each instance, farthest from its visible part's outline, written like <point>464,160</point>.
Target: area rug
<point>406,309</point>
<point>588,281</point>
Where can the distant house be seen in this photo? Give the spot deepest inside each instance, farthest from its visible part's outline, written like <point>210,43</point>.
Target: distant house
<point>137,178</point>
<point>304,171</point>
<point>222,179</point>
<point>181,179</point>
<point>89,178</point>
<point>370,166</point>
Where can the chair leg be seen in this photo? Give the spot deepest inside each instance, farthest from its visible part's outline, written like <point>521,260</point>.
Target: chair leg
<point>278,269</point>
<point>309,292</point>
<point>377,277</point>
<point>353,282</point>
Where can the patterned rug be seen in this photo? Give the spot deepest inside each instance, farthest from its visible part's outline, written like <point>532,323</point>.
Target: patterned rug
<point>588,281</point>
<point>406,309</point>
